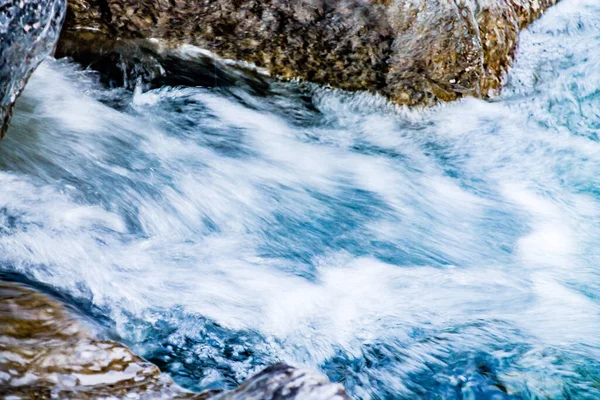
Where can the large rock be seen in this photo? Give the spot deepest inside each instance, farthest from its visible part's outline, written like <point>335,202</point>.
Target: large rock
<point>28,33</point>
<point>415,52</point>
<point>45,352</point>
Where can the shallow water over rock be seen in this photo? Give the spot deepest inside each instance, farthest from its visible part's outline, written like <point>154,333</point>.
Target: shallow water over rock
<point>28,32</point>
<point>214,230</point>
<point>46,352</point>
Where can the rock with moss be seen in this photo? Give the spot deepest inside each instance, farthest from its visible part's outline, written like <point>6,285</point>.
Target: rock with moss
<point>415,52</point>
<point>47,353</point>
<point>28,33</point>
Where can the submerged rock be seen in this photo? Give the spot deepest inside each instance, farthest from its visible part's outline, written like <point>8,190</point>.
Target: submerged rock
<point>28,33</point>
<point>415,52</point>
<point>45,352</point>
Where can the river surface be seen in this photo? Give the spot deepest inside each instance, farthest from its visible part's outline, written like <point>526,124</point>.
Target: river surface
<point>452,253</point>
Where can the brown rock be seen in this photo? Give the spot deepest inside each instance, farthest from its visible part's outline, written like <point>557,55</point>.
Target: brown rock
<point>45,352</point>
<point>416,52</point>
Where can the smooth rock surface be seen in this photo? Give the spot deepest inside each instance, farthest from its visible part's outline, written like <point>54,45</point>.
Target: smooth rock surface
<point>282,382</point>
<point>28,33</point>
<point>415,52</point>
<point>45,352</point>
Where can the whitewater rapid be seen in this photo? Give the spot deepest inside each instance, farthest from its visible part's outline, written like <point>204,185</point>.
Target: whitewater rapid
<point>447,253</point>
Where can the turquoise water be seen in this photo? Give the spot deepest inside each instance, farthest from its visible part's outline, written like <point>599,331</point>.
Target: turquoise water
<point>452,253</point>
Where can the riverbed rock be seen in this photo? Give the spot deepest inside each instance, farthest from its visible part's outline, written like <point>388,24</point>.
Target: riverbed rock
<point>28,33</point>
<point>415,52</point>
<point>46,352</point>
<point>282,382</point>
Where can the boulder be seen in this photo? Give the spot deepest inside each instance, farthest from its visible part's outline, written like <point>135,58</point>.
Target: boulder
<point>415,52</point>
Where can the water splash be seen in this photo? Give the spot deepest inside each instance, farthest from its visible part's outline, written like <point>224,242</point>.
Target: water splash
<point>450,253</point>
<point>28,32</point>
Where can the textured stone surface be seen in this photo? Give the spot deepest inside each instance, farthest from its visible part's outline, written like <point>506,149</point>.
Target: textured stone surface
<point>45,352</point>
<point>412,51</point>
<point>282,382</point>
<point>28,33</point>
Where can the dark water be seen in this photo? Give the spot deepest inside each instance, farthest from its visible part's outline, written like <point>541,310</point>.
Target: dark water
<point>453,253</point>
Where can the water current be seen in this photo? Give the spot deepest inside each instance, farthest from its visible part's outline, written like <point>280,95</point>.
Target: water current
<point>446,253</point>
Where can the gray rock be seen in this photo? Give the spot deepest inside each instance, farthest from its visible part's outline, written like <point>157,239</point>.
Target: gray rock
<point>29,30</point>
<point>282,382</point>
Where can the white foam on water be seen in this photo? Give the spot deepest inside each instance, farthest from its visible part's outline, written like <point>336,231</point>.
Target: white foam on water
<point>476,222</point>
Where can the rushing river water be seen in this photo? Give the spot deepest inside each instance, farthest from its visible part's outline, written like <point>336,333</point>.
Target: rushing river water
<point>453,253</point>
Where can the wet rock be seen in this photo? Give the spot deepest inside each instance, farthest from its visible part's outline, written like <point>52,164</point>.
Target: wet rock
<point>46,352</point>
<point>127,63</point>
<point>28,33</point>
<point>282,382</point>
<point>416,52</point>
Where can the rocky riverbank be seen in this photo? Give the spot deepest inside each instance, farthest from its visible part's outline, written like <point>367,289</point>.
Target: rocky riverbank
<point>46,352</point>
<point>413,52</point>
